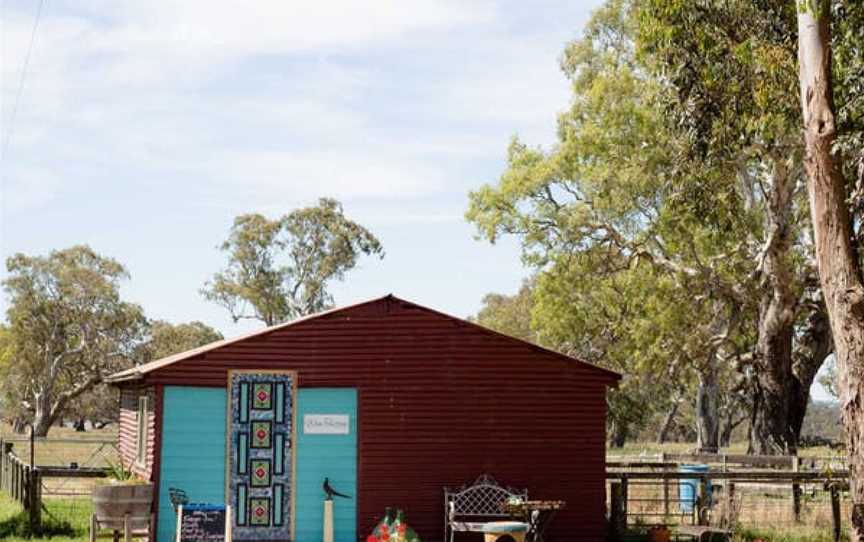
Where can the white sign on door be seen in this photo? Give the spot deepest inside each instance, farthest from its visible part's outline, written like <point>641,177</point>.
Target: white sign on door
<point>326,424</point>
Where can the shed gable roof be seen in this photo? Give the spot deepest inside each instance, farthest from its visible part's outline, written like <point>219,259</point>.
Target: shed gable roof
<point>140,371</point>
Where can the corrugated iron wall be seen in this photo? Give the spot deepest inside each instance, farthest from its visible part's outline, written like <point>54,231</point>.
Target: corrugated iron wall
<point>441,402</point>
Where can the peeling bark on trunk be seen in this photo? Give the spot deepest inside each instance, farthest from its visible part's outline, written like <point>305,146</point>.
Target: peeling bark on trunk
<point>836,256</point>
<point>772,431</point>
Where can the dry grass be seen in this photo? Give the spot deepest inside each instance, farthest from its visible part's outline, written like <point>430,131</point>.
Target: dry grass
<point>62,447</point>
<point>652,448</point>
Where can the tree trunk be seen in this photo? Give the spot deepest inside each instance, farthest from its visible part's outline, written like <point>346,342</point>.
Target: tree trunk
<point>44,417</point>
<point>80,425</point>
<point>18,425</point>
<point>668,422</point>
<point>618,435</point>
<point>815,345</point>
<point>772,431</point>
<point>729,425</point>
<point>708,411</point>
<point>836,256</point>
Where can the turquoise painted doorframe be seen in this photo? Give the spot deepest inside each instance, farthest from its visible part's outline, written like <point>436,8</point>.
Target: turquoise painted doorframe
<point>323,454</point>
<point>193,457</point>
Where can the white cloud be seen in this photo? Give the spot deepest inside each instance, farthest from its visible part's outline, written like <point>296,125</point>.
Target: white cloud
<point>204,28</point>
<point>308,174</point>
<point>253,101</point>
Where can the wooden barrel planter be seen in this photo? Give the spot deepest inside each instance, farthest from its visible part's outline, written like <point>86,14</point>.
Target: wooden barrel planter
<point>112,502</point>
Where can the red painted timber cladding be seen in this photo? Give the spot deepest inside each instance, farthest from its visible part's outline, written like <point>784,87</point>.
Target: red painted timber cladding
<point>127,434</point>
<point>440,402</point>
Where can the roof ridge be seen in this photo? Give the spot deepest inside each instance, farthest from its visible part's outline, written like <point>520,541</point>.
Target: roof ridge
<point>139,371</point>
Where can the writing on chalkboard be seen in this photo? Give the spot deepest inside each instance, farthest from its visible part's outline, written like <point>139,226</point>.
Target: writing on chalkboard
<point>202,523</point>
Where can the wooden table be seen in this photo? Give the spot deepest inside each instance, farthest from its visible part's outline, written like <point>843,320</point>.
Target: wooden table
<point>537,514</point>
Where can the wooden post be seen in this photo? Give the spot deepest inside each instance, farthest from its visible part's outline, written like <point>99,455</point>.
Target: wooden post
<point>618,511</point>
<point>796,491</point>
<point>35,499</point>
<point>16,481</point>
<point>730,504</point>
<point>180,522</point>
<point>625,493</point>
<point>703,501</point>
<point>835,511</point>
<point>665,488</point>
<point>328,520</point>
<point>229,532</point>
<point>127,530</point>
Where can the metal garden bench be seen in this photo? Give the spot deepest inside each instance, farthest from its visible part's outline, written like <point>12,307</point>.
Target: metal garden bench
<point>468,509</point>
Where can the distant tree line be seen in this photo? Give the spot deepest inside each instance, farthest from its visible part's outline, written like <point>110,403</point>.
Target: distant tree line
<point>68,327</point>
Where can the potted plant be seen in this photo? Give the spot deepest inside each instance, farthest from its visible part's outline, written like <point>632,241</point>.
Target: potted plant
<point>121,494</point>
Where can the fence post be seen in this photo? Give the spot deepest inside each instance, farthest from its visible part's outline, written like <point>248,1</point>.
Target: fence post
<point>618,512</point>
<point>703,500</point>
<point>730,503</point>
<point>25,488</point>
<point>35,500</point>
<point>796,490</point>
<point>835,511</point>
<point>2,464</point>
<point>16,481</point>
<point>665,488</point>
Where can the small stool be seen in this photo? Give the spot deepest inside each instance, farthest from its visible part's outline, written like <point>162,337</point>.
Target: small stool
<point>504,531</point>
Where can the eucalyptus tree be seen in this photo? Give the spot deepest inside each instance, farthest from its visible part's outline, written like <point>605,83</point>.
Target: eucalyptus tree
<point>69,328</point>
<point>835,196</point>
<point>164,339</point>
<point>280,269</point>
<point>732,68</point>
<point>510,314</point>
<point>601,211</point>
<point>158,339</point>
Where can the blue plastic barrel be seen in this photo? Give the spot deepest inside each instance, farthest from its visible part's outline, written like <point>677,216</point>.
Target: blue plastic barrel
<point>688,488</point>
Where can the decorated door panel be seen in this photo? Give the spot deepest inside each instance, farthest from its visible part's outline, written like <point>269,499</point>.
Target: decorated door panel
<point>260,466</point>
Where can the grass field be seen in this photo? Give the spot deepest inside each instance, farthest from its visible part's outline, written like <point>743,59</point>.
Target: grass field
<point>63,521</point>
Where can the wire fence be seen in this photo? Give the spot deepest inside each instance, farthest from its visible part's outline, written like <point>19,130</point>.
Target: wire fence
<point>778,501</point>
<point>58,489</point>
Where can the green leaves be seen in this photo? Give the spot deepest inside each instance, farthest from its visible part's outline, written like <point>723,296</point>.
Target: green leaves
<point>279,269</point>
<point>68,328</point>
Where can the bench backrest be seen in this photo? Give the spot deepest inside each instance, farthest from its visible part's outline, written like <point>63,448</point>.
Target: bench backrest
<point>482,498</point>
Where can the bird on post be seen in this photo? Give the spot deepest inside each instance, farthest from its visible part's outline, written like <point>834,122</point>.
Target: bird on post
<point>328,489</point>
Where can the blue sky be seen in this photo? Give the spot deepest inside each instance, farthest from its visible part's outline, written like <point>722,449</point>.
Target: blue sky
<point>144,127</point>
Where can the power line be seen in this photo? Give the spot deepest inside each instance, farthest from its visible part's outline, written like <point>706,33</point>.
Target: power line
<point>11,127</point>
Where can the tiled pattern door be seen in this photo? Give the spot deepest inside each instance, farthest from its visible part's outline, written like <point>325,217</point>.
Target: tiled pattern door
<point>261,454</point>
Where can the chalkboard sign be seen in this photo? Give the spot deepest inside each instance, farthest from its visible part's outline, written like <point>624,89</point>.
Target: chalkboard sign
<point>203,523</point>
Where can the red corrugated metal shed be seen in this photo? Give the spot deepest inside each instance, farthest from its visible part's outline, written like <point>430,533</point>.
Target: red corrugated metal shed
<point>441,400</point>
